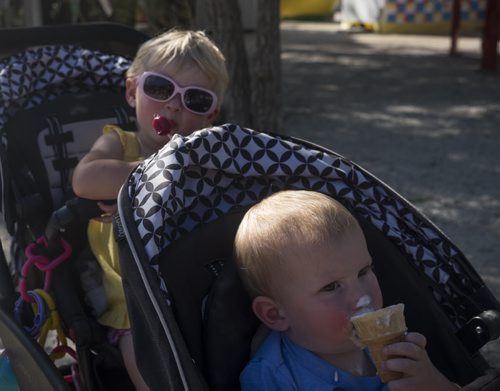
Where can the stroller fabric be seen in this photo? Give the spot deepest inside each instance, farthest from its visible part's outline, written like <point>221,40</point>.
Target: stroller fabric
<point>179,203</point>
<point>54,102</point>
<point>41,74</point>
<point>195,180</point>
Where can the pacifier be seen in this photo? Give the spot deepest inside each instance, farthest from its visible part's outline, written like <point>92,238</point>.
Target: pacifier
<point>162,125</point>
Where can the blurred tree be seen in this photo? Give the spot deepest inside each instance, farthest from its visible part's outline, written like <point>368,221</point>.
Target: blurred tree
<point>455,26</point>
<point>56,12</point>
<point>266,86</point>
<point>491,35</point>
<point>224,21</point>
<point>254,63</point>
<point>11,15</point>
<point>117,11</point>
<point>122,11</point>
<point>162,15</point>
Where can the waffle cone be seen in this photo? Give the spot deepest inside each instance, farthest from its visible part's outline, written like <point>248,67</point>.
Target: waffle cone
<point>378,329</point>
<point>375,347</point>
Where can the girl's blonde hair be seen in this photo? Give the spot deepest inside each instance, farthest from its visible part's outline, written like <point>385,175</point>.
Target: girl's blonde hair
<point>280,225</point>
<point>178,47</point>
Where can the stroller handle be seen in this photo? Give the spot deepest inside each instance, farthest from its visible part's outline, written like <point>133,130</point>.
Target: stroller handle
<point>480,329</point>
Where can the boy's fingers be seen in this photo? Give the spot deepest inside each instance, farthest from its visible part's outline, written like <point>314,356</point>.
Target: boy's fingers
<point>403,384</point>
<point>403,349</point>
<point>399,364</point>
<point>411,346</point>
<point>417,339</point>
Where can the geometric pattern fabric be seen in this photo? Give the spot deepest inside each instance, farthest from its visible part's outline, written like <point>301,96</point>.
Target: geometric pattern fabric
<point>196,179</point>
<point>41,74</point>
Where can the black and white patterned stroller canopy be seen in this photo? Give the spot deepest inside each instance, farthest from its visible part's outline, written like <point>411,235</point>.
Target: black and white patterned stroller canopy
<point>38,75</point>
<point>194,180</point>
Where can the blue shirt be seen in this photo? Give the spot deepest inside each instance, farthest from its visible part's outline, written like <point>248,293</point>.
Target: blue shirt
<point>279,364</point>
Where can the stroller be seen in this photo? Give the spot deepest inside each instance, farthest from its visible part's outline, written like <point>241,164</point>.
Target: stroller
<point>59,86</point>
<point>191,320</point>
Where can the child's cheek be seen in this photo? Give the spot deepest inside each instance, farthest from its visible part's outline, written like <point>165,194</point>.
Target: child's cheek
<point>342,323</point>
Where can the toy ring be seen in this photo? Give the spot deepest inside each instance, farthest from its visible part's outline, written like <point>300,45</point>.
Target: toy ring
<point>40,315</point>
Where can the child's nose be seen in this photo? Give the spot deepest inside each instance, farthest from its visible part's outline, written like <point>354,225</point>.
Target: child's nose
<point>174,103</point>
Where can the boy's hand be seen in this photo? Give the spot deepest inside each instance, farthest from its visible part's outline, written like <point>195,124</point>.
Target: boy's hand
<point>410,358</point>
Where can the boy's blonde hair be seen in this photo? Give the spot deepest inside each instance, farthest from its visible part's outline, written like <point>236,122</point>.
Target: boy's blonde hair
<point>283,224</point>
<point>178,47</point>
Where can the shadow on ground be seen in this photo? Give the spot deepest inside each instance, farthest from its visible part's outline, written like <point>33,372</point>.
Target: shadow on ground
<point>423,122</point>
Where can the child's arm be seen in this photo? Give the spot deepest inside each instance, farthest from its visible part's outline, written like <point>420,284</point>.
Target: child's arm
<point>102,171</point>
<point>410,357</point>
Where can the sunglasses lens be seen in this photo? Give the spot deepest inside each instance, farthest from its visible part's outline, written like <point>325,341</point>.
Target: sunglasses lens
<point>198,100</point>
<point>158,88</point>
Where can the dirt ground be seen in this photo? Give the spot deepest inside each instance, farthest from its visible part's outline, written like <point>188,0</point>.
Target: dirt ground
<point>425,123</point>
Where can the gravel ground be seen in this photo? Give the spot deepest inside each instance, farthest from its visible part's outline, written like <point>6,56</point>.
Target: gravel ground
<point>423,122</point>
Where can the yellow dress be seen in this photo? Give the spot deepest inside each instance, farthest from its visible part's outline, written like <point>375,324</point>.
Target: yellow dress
<point>105,248</point>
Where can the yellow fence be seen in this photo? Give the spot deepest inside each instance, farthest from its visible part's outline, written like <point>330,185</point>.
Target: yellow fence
<point>306,8</point>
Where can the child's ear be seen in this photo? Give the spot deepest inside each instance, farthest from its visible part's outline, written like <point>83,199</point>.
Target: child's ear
<point>130,89</point>
<point>270,313</point>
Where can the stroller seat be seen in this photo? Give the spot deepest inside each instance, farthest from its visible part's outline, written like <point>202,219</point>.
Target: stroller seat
<point>178,216</point>
<point>55,101</point>
<point>59,88</point>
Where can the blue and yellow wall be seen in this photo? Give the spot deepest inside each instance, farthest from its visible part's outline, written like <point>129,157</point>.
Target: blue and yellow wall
<point>429,16</point>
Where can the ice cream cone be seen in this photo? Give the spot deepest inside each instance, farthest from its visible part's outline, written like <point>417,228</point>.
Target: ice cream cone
<point>378,329</point>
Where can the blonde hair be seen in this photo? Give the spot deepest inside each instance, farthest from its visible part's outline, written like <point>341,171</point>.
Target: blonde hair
<point>281,225</point>
<point>178,47</point>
